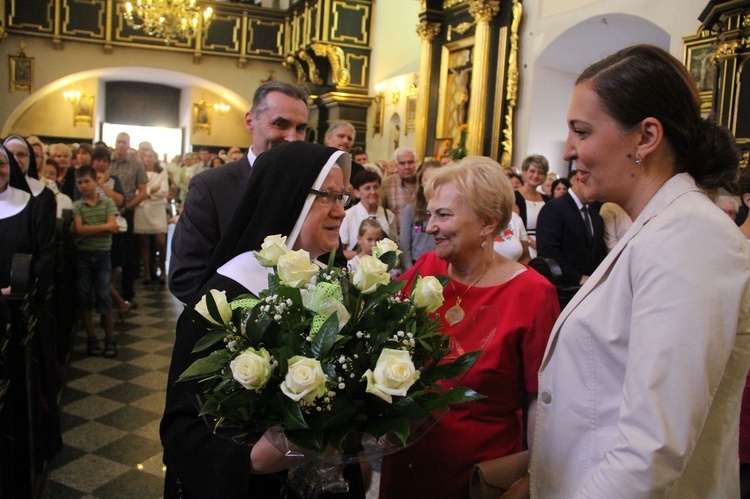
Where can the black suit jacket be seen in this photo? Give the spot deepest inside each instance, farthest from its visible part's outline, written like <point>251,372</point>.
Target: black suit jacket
<point>213,196</point>
<point>561,234</point>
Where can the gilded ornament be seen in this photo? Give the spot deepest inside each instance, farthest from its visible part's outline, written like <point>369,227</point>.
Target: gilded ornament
<point>727,49</point>
<point>484,10</point>
<point>340,73</point>
<point>312,69</point>
<point>428,31</point>
<point>512,84</point>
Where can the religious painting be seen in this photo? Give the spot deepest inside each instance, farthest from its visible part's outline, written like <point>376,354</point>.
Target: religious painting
<point>455,87</point>
<point>378,115</point>
<point>83,111</point>
<point>442,148</point>
<point>21,73</point>
<point>411,113</point>
<point>702,67</point>
<point>700,63</point>
<point>202,117</point>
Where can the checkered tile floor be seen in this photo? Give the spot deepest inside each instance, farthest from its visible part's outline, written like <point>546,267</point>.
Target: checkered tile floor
<point>111,408</point>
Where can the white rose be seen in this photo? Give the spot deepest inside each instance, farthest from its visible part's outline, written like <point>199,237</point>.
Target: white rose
<point>296,269</point>
<point>384,246</point>
<point>305,379</point>
<point>428,293</point>
<point>394,374</point>
<point>252,368</point>
<point>225,311</point>
<point>369,274</point>
<point>271,249</point>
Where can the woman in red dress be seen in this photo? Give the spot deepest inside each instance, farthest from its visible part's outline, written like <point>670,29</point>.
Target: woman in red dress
<point>492,304</point>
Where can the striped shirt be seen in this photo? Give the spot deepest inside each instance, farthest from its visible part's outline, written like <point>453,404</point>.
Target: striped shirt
<point>95,215</point>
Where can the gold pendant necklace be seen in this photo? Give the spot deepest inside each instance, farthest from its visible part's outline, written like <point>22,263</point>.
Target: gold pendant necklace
<point>456,314</point>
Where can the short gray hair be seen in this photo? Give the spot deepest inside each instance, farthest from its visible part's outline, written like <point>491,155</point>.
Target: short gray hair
<point>404,150</point>
<point>289,89</point>
<point>339,124</point>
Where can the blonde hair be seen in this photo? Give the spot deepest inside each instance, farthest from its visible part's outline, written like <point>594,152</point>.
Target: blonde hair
<point>482,185</point>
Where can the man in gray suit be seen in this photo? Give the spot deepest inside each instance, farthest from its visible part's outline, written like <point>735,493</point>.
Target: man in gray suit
<point>279,114</point>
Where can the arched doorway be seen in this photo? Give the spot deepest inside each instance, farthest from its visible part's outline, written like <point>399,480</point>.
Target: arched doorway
<point>557,68</point>
<point>46,112</point>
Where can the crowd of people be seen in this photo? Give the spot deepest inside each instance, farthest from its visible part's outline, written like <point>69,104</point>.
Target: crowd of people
<point>634,390</point>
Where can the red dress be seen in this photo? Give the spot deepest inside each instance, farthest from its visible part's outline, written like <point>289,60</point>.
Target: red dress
<point>510,323</point>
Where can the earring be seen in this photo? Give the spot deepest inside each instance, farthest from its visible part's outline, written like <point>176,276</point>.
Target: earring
<point>637,161</point>
<point>484,244</point>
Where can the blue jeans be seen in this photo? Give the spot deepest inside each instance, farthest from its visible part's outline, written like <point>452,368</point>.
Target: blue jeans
<point>94,269</point>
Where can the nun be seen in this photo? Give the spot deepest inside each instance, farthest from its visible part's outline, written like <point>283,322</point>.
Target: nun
<point>26,159</point>
<point>297,189</point>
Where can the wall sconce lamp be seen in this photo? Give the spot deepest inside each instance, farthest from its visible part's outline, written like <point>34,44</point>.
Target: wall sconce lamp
<point>222,108</point>
<point>73,96</point>
<point>380,91</point>
<point>395,94</point>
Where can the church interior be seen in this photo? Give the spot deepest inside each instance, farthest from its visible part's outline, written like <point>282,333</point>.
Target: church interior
<point>403,73</point>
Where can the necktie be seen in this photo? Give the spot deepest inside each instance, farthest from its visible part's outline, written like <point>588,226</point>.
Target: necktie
<point>587,222</point>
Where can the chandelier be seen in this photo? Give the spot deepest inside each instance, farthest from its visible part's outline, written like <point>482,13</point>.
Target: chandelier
<point>168,19</point>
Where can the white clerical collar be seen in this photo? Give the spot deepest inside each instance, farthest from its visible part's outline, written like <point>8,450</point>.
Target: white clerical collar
<point>12,202</point>
<point>251,157</point>
<point>35,185</point>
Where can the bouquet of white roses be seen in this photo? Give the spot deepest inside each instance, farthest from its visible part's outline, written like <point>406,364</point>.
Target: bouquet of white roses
<point>323,354</point>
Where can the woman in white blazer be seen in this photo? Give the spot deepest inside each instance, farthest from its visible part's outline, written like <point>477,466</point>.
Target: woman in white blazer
<point>640,386</point>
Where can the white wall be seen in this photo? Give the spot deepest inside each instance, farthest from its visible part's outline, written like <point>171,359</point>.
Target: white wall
<point>395,60</point>
<point>545,88</point>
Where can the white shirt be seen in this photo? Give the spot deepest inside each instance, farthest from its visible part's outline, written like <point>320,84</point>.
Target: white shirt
<point>354,216</point>
<point>508,243</point>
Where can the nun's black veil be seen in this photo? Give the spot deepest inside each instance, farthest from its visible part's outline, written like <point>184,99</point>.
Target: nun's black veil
<point>273,200</point>
<point>17,179</point>
<point>276,198</point>
<point>33,170</point>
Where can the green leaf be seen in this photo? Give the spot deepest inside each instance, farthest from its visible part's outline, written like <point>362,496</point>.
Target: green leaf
<point>390,258</point>
<point>291,413</point>
<point>457,395</point>
<point>255,330</point>
<point>313,440</point>
<point>213,309</point>
<point>208,340</point>
<point>408,408</point>
<point>453,369</point>
<point>400,426</point>
<point>206,365</point>
<point>325,337</point>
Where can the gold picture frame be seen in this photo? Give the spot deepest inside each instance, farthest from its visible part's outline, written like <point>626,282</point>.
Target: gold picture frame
<point>202,113</point>
<point>83,110</point>
<point>442,148</point>
<point>21,73</point>
<point>411,113</point>
<point>378,115</point>
<point>701,64</point>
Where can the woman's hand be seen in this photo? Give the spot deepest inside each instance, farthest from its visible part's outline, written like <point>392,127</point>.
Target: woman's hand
<point>519,490</point>
<point>266,458</point>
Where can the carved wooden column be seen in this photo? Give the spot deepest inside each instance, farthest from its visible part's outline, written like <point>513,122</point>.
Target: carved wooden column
<point>427,32</point>
<point>483,11</point>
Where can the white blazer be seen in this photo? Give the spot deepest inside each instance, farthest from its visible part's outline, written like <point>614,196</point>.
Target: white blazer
<point>641,383</point>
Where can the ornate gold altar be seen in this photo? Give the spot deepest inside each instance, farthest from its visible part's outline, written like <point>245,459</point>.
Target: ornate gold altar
<point>468,75</point>
<point>717,56</point>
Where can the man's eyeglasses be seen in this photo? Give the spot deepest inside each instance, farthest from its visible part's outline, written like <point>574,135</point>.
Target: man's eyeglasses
<point>327,198</point>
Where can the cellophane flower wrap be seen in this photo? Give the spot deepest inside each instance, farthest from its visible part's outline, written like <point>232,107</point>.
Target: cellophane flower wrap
<point>336,362</point>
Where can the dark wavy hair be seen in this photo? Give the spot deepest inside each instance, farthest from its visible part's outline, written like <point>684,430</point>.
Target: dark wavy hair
<point>645,81</point>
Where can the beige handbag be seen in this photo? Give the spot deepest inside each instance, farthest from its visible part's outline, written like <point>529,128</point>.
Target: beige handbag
<point>490,479</point>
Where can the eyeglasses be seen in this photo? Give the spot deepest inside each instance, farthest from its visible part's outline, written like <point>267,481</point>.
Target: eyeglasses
<point>327,198</point>
<point>21,154</point>
<point>408,162</point>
